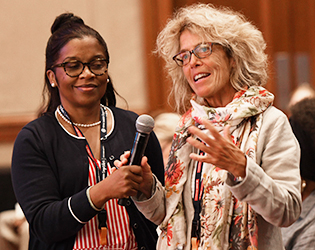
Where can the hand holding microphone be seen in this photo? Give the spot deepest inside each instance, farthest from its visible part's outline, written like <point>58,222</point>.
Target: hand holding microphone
<point>144,126</point>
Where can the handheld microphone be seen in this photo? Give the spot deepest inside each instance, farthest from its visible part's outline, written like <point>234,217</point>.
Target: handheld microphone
<point>144,126</point>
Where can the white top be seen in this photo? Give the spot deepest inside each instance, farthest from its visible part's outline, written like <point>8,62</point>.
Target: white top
<point>271,186</point>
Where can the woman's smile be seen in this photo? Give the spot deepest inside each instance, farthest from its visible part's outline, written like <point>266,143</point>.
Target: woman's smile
<point>208,77</point>
<point>86,87</point>
<point>201,76</point>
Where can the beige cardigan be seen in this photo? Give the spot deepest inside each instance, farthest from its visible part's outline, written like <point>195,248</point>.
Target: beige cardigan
<point>271,186</point>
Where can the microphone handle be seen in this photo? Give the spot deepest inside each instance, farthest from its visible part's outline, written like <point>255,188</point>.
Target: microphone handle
<point>137,152</point>
<point>139,145</point>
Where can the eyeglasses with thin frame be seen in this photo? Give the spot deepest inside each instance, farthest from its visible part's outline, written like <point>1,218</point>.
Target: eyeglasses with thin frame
<point>75,68</point>
<point>201,51</point>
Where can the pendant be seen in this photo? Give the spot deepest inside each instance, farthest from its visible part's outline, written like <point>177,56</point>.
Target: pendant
<point>103,236</point>
<point>102,227</point>
<point>194,243</point>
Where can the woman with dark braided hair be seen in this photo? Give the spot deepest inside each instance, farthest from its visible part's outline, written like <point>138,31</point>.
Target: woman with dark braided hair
<point>62,165</point>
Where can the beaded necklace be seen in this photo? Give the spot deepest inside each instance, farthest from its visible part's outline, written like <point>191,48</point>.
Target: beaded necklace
<point>76,124</point>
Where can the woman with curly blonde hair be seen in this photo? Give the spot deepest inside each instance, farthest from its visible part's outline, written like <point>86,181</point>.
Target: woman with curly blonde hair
<point>239,39</point>
<point>232,178</point>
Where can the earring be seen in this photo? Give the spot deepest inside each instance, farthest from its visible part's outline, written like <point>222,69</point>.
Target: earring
<point>53,85</point>
<point>107,80</point>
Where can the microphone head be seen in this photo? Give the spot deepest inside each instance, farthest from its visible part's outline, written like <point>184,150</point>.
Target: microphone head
<point>144,124</point>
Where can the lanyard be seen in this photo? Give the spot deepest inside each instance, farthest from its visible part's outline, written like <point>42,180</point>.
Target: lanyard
<point>197,198</point>
<point>102,170</point>
<point>198,181</point>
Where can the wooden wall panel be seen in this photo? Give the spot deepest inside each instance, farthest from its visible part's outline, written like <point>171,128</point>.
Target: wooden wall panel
<point>10,126</point>
<point>155,14</point>
<point>311,24</point>
<point>287,26</point>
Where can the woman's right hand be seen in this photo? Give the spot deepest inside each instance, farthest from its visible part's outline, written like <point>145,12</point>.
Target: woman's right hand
<point>122,183</point>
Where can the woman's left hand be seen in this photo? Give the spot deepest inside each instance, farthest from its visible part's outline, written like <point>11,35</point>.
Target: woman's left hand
<point>219,150</point>
<point>145,186</point>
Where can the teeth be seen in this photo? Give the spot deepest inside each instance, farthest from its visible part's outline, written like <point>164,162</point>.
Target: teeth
<point>197,77</point>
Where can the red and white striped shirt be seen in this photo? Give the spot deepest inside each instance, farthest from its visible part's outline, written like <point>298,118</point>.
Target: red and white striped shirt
<point>119,232</point>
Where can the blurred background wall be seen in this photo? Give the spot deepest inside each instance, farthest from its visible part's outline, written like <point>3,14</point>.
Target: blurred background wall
<point>24,31</point>
<point>130,28</point>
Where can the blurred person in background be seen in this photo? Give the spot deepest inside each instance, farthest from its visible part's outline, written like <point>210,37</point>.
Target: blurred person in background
<point>164,128</point>
<point>13,229</point>
<point>300,235</point>
<point>305,90</point>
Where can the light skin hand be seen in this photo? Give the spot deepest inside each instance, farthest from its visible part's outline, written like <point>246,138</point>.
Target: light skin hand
<point>220,150</point>
<point>145,186</point>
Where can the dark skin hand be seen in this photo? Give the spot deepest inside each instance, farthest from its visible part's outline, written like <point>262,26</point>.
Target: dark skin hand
<point>122,183</point>
<point>145,186</point>
<point>219,150</point>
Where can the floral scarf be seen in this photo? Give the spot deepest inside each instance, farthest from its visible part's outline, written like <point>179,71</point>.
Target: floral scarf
<point>226,223</point>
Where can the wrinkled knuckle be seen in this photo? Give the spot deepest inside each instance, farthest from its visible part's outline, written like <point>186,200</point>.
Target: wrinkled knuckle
<point>215,161</point>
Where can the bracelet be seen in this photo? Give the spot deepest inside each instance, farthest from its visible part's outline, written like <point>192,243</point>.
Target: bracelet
<point>235,180</point>
<point>238,179</point>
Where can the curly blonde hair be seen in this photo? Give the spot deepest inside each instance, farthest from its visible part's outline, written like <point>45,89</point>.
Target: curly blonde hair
<point>240,39</point>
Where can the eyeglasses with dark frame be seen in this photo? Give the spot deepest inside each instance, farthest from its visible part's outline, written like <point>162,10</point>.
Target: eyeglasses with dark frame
<point>201,51</point>
<point>75,68</point>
